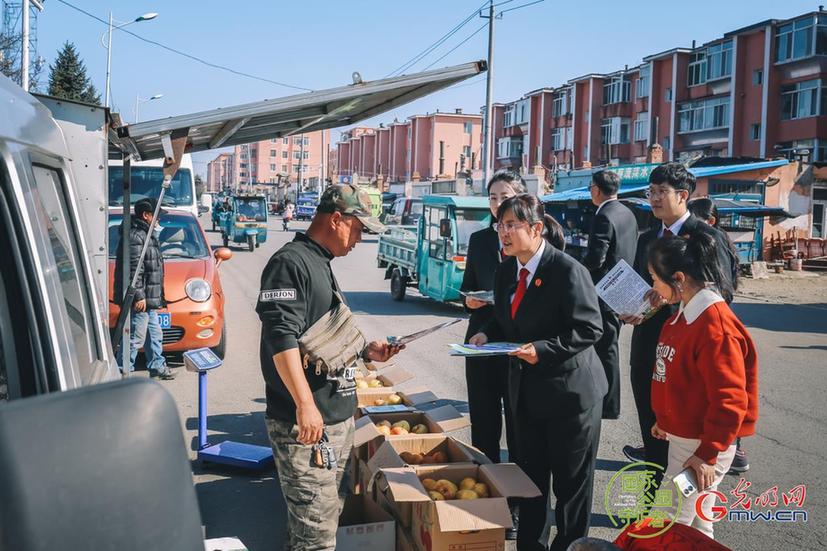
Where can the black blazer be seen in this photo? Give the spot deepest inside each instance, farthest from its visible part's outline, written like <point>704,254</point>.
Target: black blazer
<point>645,336</point>
<point>481,263</point>
<point>559,314</point>
<point>613,236</point>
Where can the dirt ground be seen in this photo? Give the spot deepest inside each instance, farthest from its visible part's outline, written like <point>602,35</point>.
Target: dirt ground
<point>787,288</point>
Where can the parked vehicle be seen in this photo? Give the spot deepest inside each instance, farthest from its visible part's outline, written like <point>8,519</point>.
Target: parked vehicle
<point>405,211</point>
<point>245,222</point>
<point>146,178</point>
<point>306,205</point>
<point>206,204</point>
<point>431,255</point>
<point>194,317</point>
<point>388,199</point>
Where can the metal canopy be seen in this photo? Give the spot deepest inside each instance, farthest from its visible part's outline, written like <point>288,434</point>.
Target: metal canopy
<point>280,117</point>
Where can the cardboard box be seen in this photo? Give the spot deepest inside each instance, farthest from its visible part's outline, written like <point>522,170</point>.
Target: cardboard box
<point>438,420</point>
<point>389,377</point>
<point>364,525</point>
<point>393,452</point>
<point>414,399</point>
<point>444,525</point>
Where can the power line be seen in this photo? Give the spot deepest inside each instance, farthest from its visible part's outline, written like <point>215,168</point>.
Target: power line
<point>522,6</point>
<point>469,37</point>
<point>189,56</point>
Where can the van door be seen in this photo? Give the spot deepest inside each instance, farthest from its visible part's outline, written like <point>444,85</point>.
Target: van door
<point>435,260</point>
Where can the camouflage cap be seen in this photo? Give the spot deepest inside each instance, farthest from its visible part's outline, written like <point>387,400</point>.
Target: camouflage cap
<point>350,199</point>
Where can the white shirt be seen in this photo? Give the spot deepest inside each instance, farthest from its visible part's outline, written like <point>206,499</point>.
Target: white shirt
<point>696,306</point>
<point>603,203</point>
<point>676,227</point>
<point>531,265</point>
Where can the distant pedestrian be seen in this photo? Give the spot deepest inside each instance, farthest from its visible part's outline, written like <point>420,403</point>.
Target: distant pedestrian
<point>705,381</point>
<point>286,216</point>
<point>149,291</point>
<point>612,238</point>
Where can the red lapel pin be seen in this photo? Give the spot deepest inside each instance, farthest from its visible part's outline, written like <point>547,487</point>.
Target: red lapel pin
<point>538,282</point>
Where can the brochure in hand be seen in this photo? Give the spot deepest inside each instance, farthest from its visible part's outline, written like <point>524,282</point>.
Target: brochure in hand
<point>488,349</point>
<point>624,291</point>
<point>483,296</point>
<point>419,334</point>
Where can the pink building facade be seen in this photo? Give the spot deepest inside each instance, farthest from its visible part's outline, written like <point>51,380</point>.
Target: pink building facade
<point>281,160</point>
<point>220,173</point>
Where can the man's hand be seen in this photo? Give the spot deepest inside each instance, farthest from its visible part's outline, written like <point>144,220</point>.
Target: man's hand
<point>527,353</point>
<point>658,432</point>
<point>381,351</point>
<point>310,423</point>
<point>704,472</point>
<point>479,339</point>
<point>140,305</point>
<point>474,303</point>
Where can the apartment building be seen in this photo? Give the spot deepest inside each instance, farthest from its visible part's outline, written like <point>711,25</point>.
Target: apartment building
<point>425,147</point>
<point>281,160</point>
<point>220,172</point>
<point>757,91</point>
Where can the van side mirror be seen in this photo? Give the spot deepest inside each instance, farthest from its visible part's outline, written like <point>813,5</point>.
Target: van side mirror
<point>221,254</point>
<point>445,227</point>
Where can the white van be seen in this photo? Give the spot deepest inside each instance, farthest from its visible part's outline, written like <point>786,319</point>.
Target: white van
<point>147,177</point>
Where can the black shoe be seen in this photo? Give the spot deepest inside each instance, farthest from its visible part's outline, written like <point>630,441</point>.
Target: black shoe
<point>511,533</point>
<point>739,463</point>
<point>635,454</point>
<point>167,375</point>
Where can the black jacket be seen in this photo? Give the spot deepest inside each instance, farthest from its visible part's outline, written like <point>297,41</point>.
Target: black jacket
<point>613,236</point>
<point>150,283</point>
<point>559,314</point>
<point>482,261</point>
<point>645,336</point>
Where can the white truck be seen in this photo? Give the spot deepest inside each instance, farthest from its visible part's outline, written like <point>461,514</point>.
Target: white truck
<point>146,179</point>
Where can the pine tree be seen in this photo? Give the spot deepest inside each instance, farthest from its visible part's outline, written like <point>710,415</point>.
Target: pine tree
<point>67,77</point>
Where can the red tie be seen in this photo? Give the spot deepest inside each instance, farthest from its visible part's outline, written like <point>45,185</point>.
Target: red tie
<point>518,294</point>
<point>667,232</point>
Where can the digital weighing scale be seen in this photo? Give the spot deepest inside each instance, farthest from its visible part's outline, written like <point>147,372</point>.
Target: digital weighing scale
<point>236,454</point>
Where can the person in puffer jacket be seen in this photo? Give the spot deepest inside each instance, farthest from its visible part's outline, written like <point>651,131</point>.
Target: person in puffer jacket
<point>149,291</point>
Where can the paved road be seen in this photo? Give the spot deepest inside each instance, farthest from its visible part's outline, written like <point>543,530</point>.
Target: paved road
<point>789,449</point>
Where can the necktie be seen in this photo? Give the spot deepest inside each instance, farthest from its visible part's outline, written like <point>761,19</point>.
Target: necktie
<point>667,232</point>
<point>518,294</point>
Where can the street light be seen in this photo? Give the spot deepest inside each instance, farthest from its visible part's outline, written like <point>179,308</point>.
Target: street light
<point>108,45</point>
<point>139,100</point>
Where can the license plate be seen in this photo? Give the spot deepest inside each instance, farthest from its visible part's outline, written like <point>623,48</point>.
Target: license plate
<point>164,320</point>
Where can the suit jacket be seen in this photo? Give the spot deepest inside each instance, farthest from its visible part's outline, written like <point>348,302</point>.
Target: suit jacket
<point>613,236</point>
<point>645,336</point>
<point>559,314</point>
<point>481,263</point>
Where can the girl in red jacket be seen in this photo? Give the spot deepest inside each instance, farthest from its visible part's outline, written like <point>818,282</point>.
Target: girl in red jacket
<point>705,383</point>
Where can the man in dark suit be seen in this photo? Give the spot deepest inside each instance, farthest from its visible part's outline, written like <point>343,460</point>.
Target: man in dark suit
<point>670,186</point>
<point>613,236</point>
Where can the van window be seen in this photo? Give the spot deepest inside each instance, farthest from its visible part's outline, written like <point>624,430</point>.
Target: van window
<point>146,182</point>
<point>54,218</point>
<point>469,221</point>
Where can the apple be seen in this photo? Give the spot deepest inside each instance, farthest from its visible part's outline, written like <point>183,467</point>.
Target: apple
<point>379,402</point>
<point>447,488</point>
<point>429,484</point>
<point>481,489</point>
<point>361,384</point>
<point>396,431</point>
<point>467,494</point>
<point>403,424</point>
<point>383,429</point>
<point>440,457</point>
<point>394,399</point>
<point>375,383</point>
<point>436,496</point>
<point>420,429</point>
<point>384,423</point>
<point>467,483</point>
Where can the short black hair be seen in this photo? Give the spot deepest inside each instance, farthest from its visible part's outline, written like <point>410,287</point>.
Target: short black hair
<point>607,182</point>
<point>528,208</point>
<point>674,175</point>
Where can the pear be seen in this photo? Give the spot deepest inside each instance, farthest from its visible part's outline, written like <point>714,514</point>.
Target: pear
<point>467,484</point>
<point>467,494</point>
<point>394,399</point>
<point>447,488</point>
<point>420,429</point>
<point>429,484</point>
<point>436,496</point>
<point>481,489</point>
<point>375,383</point>
<point>403,424</point>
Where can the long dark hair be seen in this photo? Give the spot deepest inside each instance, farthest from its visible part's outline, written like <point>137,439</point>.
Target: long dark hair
<point>704,208</point>
<point>527,208</point>
<point>513,179</point>
<point>695,256</point>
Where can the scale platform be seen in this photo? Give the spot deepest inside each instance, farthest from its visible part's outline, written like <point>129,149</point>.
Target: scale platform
<point>236,454</point>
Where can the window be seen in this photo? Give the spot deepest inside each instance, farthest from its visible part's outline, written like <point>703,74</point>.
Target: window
<point>755,131</point>
<point>242,165</point>
<point>614,131</point>
<point>296,168</point>
<point>466,151</point>
<point>800,100</point>
<point>509,148</point>
<point>559,105</point>
<point>722,186</point>
<point>242,174</point>
<point>696,71</point>
<point>53,213</point>
<point>643,81</point>
<point>273,168</point>
<point>703,115</point>
<point>297,155</point>
<point>556,139</point>
<point>667,95</point>
<point>284,154</point>
<point>273,152</point>
<point>642,127</point>
<point>795,40</point>
<point>306,155</point>
<point>508,116</point>
<point>758,77</point>
<point>521,112</point>
<point>616,91</point>
<point>467,127</point>
<point>667,143</point>
<point>719,60</point>
<point>285,141</point>
<point>284,168</point>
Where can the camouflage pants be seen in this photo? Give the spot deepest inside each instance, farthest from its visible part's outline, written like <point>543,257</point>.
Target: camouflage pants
<point>314,496</point>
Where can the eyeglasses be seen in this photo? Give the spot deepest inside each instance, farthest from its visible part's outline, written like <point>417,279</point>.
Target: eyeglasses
<point>508,227</point>
<point>654,192</point>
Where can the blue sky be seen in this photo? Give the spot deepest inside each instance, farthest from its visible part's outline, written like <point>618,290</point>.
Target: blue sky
<point>318,44</point>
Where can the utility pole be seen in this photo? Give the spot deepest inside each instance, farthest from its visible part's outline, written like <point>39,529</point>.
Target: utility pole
<point>24,54</point>
<point>489,77</point>
<point>299,182</point>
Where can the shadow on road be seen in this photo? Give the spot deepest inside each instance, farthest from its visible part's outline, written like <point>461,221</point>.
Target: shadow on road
<point>380,303</point>
<point>789,318</point>
<point>811,347</point>
<point>247,428</point>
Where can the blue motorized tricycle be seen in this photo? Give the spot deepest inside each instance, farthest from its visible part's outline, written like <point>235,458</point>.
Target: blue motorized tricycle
<point>245,221</point>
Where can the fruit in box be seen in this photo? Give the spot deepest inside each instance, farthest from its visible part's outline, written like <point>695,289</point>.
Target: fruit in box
<point>467,494</point>
<point>394,399</point>
<point>411,458</point>
<point>468,488</point>
<point>384,429</point>
<point>398,431</point>
<point>379,402</point>
<point>447,488</point>
<point>361,384</point>
<point>384,423</point>
<point>429,484</point>
<point>467,484</point>
<point>420,429</point>
<point>481,489</point>
<point>375,383</point>
<point>403,424</point>
<point>436,496</point>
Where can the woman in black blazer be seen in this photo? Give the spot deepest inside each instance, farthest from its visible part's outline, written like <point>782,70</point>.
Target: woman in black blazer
<point>546,299</point>
<point>487,378</point>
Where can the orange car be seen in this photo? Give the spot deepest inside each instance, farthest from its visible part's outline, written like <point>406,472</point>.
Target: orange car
<point>194,316</point>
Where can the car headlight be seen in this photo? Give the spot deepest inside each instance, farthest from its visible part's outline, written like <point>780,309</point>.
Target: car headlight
<point>198,290</point>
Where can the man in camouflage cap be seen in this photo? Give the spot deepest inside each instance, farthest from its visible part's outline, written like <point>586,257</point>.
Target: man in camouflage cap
<point>303,402</point>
